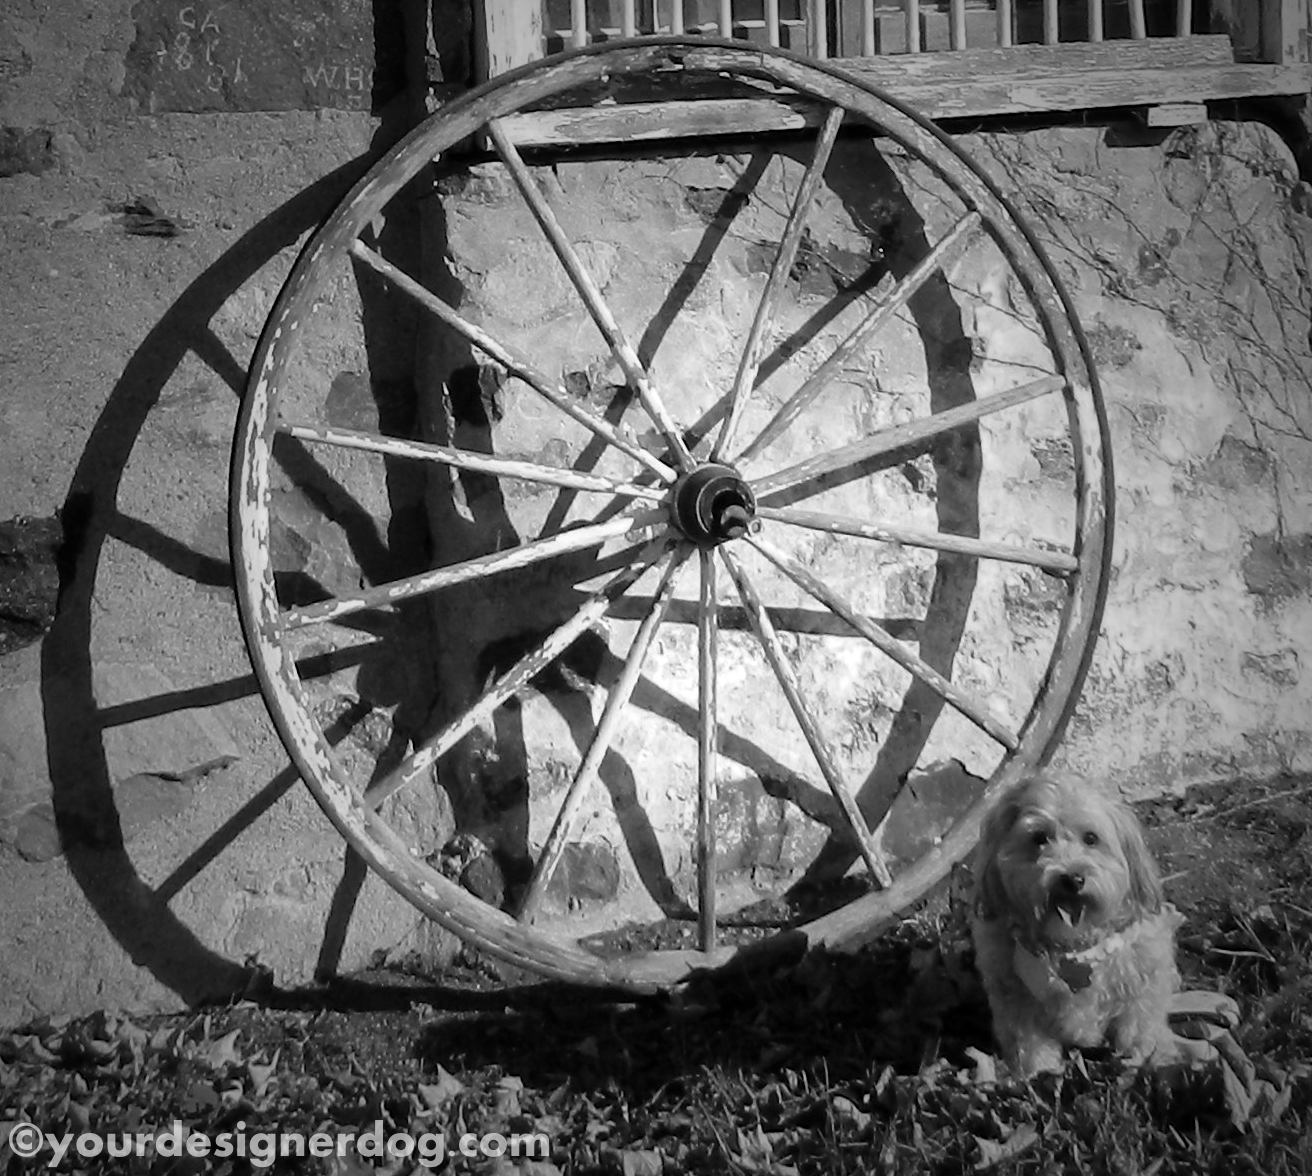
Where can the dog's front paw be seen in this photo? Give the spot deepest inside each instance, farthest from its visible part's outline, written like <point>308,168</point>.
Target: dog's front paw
<point>1036,1054</point>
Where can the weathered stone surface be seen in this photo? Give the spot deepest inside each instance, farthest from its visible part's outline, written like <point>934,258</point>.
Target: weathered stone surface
<point>1187,262</point>
<point>1279,566</point>
<point>29,579</point>
<point>31,151</point>
<point>263,57</point>
<point>154,762</point>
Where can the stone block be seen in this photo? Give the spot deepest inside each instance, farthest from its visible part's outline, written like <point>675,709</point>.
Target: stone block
<point>265,56</point>
<point>154,761</point>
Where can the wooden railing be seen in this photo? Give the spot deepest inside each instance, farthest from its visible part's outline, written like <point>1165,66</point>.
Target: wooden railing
<point>952,58</point>
<point>1273,31</point>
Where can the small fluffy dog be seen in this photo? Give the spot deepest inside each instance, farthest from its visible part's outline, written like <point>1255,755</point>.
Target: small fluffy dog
<point>1073,938</point>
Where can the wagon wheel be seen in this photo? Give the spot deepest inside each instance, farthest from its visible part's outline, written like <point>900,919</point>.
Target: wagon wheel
<point>728,512</point>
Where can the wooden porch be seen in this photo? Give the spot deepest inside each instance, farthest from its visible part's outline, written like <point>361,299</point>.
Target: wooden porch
<point>1164,59</point>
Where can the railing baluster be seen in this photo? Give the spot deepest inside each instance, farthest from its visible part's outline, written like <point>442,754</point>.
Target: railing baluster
<point>726,18</point>
<point>676,16</point>
<point>819,29</point>
<point>1004,22</point>
<point>1050,33</point>
<point>957,24</point>
<point>628,18</point>
<point>867,28</point>
<point>1138,27</point>
<point>913,25</point>
<point>772,21</point>
<point>1184,18</point>
<point>578,23</point>
<point>1095,20</point>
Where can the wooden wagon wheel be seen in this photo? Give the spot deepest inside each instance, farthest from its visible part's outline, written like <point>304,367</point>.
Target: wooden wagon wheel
<point>750,494</point>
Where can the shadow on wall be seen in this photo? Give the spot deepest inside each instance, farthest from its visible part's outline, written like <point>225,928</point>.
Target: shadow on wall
<point>136,913</point>
<point>487,774</point>
<point>88,821</point>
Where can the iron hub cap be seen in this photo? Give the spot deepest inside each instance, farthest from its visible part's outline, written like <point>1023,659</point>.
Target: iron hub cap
<point>712,504</point>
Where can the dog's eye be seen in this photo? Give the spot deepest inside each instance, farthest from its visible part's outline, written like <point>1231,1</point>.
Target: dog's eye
<point>1091,838</point>
<point>1039,838</point>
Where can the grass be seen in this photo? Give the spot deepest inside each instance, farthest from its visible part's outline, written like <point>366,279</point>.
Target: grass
<point>873,1063</point>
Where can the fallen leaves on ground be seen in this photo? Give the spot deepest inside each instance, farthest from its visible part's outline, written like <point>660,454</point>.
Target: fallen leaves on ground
<point>875,1063</point>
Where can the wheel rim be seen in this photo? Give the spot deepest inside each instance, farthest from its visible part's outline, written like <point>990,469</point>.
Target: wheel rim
<point>699,505</point>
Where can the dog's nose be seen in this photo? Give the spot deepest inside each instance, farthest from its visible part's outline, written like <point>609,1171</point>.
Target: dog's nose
<point>1071,883</point>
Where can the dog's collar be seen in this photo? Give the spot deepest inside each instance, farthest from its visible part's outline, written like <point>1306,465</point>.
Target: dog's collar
<point>1047,973</point>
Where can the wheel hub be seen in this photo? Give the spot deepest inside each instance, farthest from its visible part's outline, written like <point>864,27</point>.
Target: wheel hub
<point>712,504</point>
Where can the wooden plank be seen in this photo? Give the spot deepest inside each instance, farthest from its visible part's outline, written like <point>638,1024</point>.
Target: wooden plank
<point>819,29</point>
<point>1284,31</point>
<point>1175,114</point>
<point>511,34</point>
<point>948,98</point>
<point>1243,22</point>
<point>957,32</point>
<point>1138,26</point>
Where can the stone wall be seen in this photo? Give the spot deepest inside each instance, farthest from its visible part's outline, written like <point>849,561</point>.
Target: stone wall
<point>154,847</point>
<point>1187,261</point>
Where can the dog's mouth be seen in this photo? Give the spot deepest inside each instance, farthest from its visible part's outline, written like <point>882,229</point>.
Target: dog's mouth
<point>1074,912</point>
<point>1070,911</point>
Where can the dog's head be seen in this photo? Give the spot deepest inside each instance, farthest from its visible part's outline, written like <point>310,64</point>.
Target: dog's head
<point>1065,861</point>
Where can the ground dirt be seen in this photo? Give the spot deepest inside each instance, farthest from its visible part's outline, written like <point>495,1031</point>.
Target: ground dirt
<point>876,1062</point>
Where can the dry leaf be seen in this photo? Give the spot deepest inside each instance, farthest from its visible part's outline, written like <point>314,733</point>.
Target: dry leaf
<point>437,1095</point>
<point>991,1152</point>
<point>220,1053</point>
<point>641,1163</point>
<point>261,1075</point>
<point>755,1151</point>
<point>986,1067</point>
<point>849,1115</point>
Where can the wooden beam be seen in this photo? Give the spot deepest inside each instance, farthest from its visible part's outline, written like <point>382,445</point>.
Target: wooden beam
<point>948,98</point>
<point>507,33</point>
<point>1174,114</point>
<point>1138,26</point>
<point>1284,31</point>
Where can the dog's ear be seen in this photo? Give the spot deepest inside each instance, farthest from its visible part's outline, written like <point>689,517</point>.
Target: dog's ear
<point>1146,894</point>
<point>990,896</point>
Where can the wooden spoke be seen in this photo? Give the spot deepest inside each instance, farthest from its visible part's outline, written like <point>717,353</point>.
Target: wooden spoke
<point>516,678</point>
<point>708,741</point>
<point>510,359</point>
<point>466,459</point>
<point>616,701</point>
<point>750,363</point>
<point>574,539</point>
<point>787,676</point>
<point>972,708</point>
<point>888,301</point>
<point>591,294</point>
<point>902,436</point>
<point>1059,563</point>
